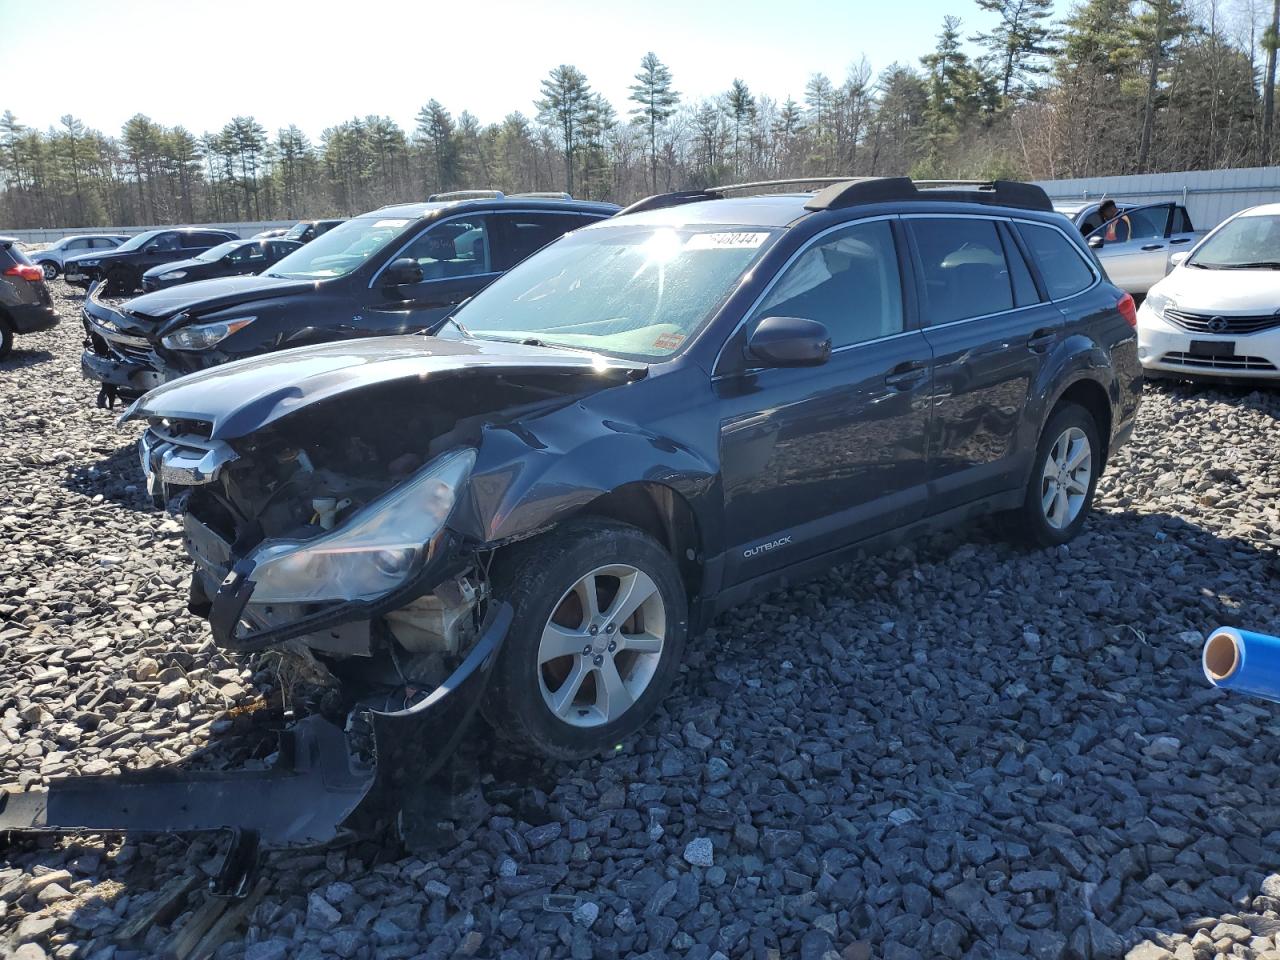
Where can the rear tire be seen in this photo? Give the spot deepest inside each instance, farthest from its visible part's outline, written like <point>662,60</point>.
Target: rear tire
<point>611,598</point>
<point>1063,478</point>
<point>6,339</point>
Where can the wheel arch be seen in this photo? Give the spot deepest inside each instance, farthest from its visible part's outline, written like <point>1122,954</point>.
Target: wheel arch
<point>1092,395</point>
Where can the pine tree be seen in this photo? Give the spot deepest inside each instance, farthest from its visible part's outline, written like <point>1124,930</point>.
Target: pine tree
<point>565,106</point>
<point>436,136</point>
<point>1020,45</point>
<point>740,107</point>
<point>656,101</point>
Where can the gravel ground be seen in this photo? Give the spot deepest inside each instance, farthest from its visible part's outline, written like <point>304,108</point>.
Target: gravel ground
<point>959,749</point>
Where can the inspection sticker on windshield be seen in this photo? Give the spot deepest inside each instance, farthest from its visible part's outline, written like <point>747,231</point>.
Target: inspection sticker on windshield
<point>730,240</point>
<point>669,341</point>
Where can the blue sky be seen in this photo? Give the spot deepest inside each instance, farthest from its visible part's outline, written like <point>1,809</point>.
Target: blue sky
<point>199,63</point>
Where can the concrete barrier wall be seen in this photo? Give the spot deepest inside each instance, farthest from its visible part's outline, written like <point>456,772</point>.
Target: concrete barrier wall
<point>50,234</point>
<point>1209,195</point>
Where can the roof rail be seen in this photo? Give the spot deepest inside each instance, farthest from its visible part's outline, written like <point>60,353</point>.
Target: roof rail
<point>793,181</point>
<point>1002,193</point>
<point>544,194</point>
<point>467,195</point>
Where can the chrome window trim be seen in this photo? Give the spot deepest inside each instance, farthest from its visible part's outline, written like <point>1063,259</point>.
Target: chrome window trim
<point>1097,279</point>
<point>777,274</point>
<point>464,215</point>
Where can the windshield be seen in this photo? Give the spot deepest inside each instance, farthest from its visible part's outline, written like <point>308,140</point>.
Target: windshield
<point>1244,243</point>
<point>340,250</point>
<point>220,251</point>
<point>623,290</point>
<point>297,230</point>
<point>140,241</point>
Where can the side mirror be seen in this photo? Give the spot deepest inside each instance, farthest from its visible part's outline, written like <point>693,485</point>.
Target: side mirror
<point>1096,243</point>
<point>790,342</point>
<point>152,248</point>
<point>1179,258</point>
<point>404,271</point>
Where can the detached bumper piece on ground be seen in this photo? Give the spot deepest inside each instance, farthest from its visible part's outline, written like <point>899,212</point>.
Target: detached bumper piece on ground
<point>317,790</point>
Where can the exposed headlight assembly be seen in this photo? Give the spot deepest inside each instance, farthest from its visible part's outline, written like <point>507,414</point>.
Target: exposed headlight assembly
<point>374,552</point>
<point>85,263</point>
<point>1157,303</point>
<point>202,336</point>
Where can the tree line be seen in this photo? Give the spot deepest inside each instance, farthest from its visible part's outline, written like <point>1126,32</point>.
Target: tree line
<point>1115,87</point>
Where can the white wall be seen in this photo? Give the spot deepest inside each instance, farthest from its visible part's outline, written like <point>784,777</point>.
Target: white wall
<point>1210,195</point>
<point>57,233</point>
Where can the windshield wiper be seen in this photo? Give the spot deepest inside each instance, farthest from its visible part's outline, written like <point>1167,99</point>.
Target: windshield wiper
<point>462,329</point>
<point>1257,264</point>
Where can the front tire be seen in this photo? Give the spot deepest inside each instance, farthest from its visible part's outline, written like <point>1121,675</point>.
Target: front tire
<point>50,270</point>
<point>1063,478</point>
<point>600,624</point>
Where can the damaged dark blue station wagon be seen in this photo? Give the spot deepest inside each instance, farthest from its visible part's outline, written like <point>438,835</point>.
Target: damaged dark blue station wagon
<point>652,419</point>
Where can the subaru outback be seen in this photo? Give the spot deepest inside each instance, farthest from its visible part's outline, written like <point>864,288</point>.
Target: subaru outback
<point>652,419</point>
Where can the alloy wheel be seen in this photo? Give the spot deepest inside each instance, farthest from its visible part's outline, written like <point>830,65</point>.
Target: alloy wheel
<point>1064,484</point>
<point>601,645</point>
<point>50,270</point>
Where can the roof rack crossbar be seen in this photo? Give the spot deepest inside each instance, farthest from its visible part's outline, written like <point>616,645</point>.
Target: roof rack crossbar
<point>1003,193</point>
<point>467,195</point>
<point>544,194</point>
<point>660,200</point>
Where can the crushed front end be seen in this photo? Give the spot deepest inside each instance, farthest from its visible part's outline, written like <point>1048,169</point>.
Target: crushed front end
<point>117,352</point>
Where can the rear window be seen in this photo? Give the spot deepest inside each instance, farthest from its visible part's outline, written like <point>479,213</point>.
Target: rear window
<point>963,266</point>
<point>1062,265</point>
<point>10,254</point>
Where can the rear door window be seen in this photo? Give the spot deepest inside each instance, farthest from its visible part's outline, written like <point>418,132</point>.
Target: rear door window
<point>1181,221</point>
<point>1062,266</point>
<point>962,267</point>
<point>525,233</point>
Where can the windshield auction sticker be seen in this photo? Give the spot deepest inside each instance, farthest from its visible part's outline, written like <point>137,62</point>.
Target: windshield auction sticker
<point>732,240</point>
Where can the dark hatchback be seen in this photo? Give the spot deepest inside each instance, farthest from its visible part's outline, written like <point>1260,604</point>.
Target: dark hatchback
<point>235,258</point>
<point>25,304</point>
<point>649,421</point>
<point>121,269</point>
<point>396,270</point>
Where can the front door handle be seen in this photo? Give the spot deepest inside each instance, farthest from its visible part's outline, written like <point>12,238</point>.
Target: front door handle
<point>906,375</point>
<point>1042,339</point>
<point>1180,240</point>
<point>1153,246</point>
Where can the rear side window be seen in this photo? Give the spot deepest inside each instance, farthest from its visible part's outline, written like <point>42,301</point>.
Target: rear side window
<point>526,233</point>
<point>1181,221</point>
<point>848,281</point>
<point>963,268</point>
<point>1062,265</point>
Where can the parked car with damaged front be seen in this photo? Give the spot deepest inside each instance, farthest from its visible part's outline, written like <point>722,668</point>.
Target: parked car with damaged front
<point>395,270</point>
<point>652,419</point>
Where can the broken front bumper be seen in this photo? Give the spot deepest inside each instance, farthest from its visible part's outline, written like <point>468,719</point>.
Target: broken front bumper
<point>316,791</point>
<point>117,353</point>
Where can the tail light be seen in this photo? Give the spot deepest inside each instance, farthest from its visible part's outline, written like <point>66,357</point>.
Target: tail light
<point>25,271</point>
<point>1128,309</point>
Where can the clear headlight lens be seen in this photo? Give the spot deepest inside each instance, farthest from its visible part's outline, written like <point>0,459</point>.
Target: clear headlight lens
<point>1157,303</point>
<point>372,553</point>
<point>202,336</point>
<point>175,274</point>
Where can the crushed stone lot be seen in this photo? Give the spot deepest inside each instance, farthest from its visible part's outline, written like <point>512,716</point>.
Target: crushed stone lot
<point>957,749</point>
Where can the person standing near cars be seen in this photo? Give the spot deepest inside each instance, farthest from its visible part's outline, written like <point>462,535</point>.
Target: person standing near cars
<point>1118,227</point>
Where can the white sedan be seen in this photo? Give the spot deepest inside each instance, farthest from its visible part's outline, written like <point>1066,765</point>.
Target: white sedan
<point>1217,313</point>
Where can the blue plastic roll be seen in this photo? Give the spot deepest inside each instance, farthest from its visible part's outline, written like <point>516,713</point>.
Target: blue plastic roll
<point>1243,662</point>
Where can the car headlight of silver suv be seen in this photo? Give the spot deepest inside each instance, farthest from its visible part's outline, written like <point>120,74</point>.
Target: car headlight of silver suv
<point>374,552</point>
<point>202,336</point>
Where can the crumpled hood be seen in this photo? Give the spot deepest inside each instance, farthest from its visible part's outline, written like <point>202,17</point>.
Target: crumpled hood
<point>1240,292</point>
<point>242,397</point>
<point>211,295</point>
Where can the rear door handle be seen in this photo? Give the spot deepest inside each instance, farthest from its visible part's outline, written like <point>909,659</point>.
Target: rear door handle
<point>1042,339</point>
<point>1180,240</point>
<point>1153,246</point>
<point>907,375</point>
